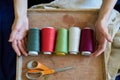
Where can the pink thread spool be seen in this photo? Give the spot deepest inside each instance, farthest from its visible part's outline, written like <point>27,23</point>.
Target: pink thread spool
<point>47,40</point>
<point>86,41</point>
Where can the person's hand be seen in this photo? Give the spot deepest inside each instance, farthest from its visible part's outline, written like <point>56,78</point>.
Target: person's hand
<point>102,36</point>
<point>18,34</point>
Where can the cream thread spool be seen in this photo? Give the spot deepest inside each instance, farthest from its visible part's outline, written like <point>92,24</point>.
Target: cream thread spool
<point>74,40</point>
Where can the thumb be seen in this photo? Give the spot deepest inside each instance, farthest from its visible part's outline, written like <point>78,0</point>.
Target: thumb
<point>12,35</point>
<point>107,36</point>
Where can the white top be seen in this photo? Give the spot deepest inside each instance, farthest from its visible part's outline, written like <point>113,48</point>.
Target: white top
<point>78,4</point>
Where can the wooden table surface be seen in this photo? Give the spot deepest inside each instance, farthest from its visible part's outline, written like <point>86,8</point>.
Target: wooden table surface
<point>85,68</point>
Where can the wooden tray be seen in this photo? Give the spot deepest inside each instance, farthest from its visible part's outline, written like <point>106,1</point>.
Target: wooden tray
<point>86,68</point>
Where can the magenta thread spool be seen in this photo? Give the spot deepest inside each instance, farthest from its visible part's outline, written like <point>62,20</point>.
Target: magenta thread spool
<point>86,41</point>
<point>47,39</point>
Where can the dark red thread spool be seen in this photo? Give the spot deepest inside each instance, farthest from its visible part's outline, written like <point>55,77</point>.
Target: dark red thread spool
<point>86,41</point>
<point>47,40</point>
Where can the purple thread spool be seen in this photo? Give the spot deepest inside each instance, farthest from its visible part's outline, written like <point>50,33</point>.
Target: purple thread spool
<point>86,41</point>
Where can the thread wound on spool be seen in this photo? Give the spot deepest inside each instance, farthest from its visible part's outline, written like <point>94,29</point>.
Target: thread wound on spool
<point>74,40</point>
<point>61,47</point>
<point>47,40</point>
<point>86,41</point>
<point>33,45</point>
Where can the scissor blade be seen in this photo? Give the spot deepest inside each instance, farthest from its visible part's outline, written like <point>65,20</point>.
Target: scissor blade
<point>63,69</point>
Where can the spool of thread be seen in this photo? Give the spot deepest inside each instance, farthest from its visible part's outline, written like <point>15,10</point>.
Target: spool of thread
<point>86,41</point>
<point>61,47</point>
<point>74,40</point>
<point>33,45</point>
<point>47,40</point>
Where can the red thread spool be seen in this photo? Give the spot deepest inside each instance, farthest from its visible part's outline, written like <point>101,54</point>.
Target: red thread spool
<point>86,41</point>
<point>47,40</point>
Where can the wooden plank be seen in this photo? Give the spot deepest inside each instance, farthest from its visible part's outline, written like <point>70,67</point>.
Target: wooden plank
<point>64,18</point>
<point>86,68</point>
<point>63,10</point>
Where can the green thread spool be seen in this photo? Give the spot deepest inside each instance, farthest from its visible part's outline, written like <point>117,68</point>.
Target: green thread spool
<point>61,47</point>
<point>33,45</point>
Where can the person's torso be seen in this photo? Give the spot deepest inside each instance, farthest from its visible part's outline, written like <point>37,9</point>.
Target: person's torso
<point>6,4</point>
<point>118,2</point>
<point>6,12</point>
<point>79,3</point>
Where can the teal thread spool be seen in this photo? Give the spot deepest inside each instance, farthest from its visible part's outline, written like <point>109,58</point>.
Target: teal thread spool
<point>33,45</point>
<point>61,47</point>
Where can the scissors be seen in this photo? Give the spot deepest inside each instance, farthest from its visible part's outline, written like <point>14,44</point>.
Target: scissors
<point>36,70</point>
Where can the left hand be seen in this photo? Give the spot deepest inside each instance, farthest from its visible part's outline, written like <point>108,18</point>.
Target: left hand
<point>18,35</point>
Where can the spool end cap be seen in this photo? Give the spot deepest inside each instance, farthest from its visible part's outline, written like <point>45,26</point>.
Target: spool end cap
<point>46,52</point>
<point>60,54</point>
<point>33,53</point>
<point>86,53</point>
<point>73,52</point>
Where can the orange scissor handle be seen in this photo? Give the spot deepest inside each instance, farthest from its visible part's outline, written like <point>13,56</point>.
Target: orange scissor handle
<point>46,72</point>
<point>33,74</point>
<point>37,69</point>
<point>36,65</point>
<point>30,74</point>
<point>34,71</point>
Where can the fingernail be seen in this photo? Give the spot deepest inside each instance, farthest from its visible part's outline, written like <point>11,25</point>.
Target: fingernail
<point>19,54</point>
<point>111,40</point>
<point>26,55</point>
<point>10,40</point>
